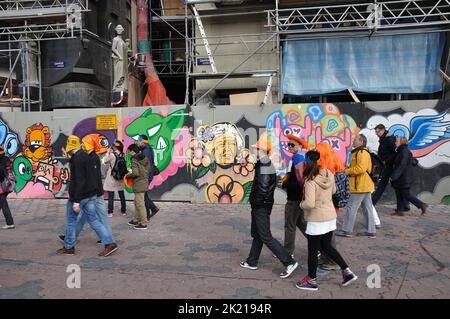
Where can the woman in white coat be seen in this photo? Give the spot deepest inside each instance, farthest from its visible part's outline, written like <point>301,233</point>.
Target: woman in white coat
<point>111,184</point>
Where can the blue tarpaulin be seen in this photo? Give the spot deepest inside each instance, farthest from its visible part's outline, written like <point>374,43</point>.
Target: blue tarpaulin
<point>381,64</point>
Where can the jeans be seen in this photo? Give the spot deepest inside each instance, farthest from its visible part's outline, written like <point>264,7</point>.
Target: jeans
<point>405,193</point>
<point>322,242</point>
<point>149,204</point>
<point>382,183</point>
<point>356,200</point>
<point>88,209</point>
<point>294,217</point>
<point>260,230</point>
<point>402,202</point>
<point>139,208</point>
<point>123,207</point>
<point>5,209</point>
<point>101,215</point>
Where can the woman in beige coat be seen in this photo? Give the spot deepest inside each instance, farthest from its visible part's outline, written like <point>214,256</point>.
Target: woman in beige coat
<point>320,216</point>
<point>111,184</point>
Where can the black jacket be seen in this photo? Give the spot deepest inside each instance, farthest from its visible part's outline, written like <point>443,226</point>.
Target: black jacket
<point>402,176</point>
<point>264,184</point>
<point>83,180</point>
<point>147,150</point>
<point>386,149</point>
<point>96,166</point>
<point>293,189</point>
<point>4,161</point>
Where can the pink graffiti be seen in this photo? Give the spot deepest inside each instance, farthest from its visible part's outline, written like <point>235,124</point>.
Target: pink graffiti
<point>304,132</point>
<point>338,145</point>
<point>33,190</point>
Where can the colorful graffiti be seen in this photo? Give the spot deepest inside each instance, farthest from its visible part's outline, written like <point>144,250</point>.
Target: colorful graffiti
<point>314,123</point>
<point>219,159</point>
<point>37,143</point>
<point>427,131</point>
<point>167,135</point>
<point>8,139</point>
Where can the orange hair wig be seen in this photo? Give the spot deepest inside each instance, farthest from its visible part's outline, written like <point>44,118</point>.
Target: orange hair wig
<point>329,159</point>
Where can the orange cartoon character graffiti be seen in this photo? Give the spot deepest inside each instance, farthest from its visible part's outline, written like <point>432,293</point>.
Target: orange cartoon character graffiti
<point>101,143</point>
<point>37,143</point>
<point>45,174</point>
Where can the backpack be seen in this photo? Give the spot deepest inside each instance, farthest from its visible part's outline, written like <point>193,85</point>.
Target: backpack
<point>120,167</point>
<point>9,183</point>
<point>342,195</point>
<point>377,166</point>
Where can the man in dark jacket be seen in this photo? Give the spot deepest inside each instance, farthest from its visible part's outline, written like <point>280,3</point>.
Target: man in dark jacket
<point>261,201</point>
<point>82,198</point>
<point>386,154</point>
<point>147,150</point>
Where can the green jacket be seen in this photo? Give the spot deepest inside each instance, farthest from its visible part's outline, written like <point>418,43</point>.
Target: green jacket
<point>140,169</point>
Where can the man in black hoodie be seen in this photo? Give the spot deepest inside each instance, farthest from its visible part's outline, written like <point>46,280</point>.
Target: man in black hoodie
<point>386,154</point>
<point>261,201</point>
<point>82,196</point>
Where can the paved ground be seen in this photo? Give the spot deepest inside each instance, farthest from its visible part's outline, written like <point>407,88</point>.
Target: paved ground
<point>193,251</point>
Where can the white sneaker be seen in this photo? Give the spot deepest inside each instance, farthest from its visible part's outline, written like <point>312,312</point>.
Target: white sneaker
<point>8,227</point>
<point>244,264</point>
<point>289,270</point>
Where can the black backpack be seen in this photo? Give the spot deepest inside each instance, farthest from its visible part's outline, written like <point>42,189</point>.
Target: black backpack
<point>120,167</point>
<point>342,195</point>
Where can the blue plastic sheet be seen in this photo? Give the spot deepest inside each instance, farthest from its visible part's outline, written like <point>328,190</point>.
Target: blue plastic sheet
<point>381,64</point>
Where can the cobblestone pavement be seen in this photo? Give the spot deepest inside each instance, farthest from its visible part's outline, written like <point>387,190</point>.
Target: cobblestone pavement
<point>193,251</point>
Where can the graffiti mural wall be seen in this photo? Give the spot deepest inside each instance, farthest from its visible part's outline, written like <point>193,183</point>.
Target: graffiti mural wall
<point>205,155</point>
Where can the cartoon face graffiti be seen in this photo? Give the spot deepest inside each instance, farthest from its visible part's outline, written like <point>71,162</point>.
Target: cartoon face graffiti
<point>225,149</point>
<point>101,143</point>
<point>340,146</point>
<point>8,139</point>
<point>37,143</point>
<point>161,132</point>
<point>45,174</point>
<point>23,170</point>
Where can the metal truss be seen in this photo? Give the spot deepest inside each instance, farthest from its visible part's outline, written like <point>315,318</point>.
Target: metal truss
<point>35,32</point>
<point>360,17</point>
<point>19,5</point>
<point>173,68</point>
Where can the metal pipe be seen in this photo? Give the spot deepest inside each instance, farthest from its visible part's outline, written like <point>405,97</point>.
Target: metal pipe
<point>40,76</point>
<point>186,58</point>
<point>237,67</point>
<point>11,71</point>
<point>27,57</point>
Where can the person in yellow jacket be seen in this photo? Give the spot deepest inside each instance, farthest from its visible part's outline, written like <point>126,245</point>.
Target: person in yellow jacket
<point>361,187</point>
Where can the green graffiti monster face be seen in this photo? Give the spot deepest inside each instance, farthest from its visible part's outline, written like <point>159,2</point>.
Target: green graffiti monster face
<point>161,132</point>
<point>23,171</point>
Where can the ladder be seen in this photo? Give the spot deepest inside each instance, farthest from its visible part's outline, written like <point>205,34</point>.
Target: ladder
<point>205,39</point>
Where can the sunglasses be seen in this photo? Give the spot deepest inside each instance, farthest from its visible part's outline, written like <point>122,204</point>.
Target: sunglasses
<point>291,144</point>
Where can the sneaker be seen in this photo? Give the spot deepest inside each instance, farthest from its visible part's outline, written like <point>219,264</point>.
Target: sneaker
<point>343,233</point>
<point>140,226</point>
<point>289,270</point>
<point>377,226</point>
<point>132,223</point>
<point>124,213</point>
<point>64,251</point>
<point>244,264</point>
<point>370,235</point>
<point>307,283</point>
<point>110,215</point>
<point>8,227</point>
<point>99,241</point>
<point>398,213</point>
<point>109,249</point>
<point>62,237</point>
<point>424,208</point>
<point>348,277</point>
<point>154,212</point>
<point>329,267</point>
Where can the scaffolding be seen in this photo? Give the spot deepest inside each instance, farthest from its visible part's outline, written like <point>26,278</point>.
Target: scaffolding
<point>23,25</point>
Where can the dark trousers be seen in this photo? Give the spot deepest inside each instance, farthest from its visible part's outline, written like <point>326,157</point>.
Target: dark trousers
<point>294,218</point>
<point>322,242</point>
<point>386,174</point>
<point>123,207</point>
<point>5,209</point>
<point>260,230</point>
<point>149,204</point>
<point>404,195</point>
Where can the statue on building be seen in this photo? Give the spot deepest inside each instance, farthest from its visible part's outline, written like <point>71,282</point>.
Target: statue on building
<point>120,62</point>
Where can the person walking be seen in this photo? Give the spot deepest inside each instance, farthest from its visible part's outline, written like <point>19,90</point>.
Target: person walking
<point>293,184</point>
<point>5,168</point>
<point>320,215</point>
<point>83,188</point>
<point>261,201</point>
<point>361,187</point>
<point>386,154</point>
<point>113,185</point>
<point>147,150</point>
<point>140,169</point>
<point>402,178</point>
